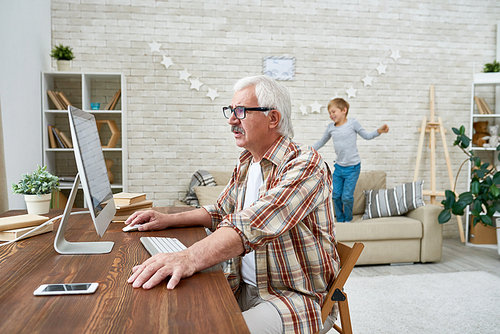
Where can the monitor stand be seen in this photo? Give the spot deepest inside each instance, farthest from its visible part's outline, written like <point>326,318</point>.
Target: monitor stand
<point>62,246</point>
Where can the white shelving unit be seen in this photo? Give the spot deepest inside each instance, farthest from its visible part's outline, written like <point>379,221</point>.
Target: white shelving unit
<point>82,89</point>
<point>486,85</point>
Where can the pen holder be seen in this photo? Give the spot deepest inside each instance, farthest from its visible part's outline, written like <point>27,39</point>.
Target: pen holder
<point>95,106</point>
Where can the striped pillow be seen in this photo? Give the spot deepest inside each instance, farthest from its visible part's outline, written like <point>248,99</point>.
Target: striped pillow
<point>393,202</point>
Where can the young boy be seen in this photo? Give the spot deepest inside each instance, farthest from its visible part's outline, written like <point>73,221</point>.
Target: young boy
<point>344,132</point>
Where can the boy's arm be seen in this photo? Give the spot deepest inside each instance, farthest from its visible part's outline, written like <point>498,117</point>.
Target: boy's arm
<point>320,143</point>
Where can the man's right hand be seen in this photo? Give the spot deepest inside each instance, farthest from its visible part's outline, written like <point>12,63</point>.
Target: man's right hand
<point>149,220</point>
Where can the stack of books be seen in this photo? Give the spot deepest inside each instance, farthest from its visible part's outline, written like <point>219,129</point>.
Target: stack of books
<point>58,139</point>
<point>59,99</point>
<point>482,106</point>
<point>128,203</point>
<point>17,226</point>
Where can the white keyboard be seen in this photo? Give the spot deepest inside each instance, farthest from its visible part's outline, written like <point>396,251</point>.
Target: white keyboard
<point>155,245</point>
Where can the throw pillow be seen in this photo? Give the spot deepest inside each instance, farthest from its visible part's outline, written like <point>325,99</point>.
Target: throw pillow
<point>393,202</point>
<point>208,195</point>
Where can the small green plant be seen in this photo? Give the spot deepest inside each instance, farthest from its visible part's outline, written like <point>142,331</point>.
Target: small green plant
<point>40,182</point>
<point>484,194</point>
<point>62,52</point>
<point>492,67</point>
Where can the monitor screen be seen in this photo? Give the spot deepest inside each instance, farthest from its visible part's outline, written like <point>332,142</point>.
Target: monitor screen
<point>91,167</point>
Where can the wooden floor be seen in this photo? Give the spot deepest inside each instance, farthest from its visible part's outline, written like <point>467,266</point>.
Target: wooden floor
<point>456,257</point>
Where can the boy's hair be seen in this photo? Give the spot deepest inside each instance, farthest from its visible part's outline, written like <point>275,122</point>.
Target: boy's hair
<point>339,103</point>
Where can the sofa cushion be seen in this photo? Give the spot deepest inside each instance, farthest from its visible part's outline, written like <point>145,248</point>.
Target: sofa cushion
<point>387,228</point>
<point>393,202</point>
<point>366,181</point>
<point>208,195</point>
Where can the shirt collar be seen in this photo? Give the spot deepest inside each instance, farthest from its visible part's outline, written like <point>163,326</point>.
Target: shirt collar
<point>274,154</point>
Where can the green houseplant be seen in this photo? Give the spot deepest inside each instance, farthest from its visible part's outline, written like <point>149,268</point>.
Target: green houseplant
<point>492,67</point>
<point>37,189</point>
<point>484,195</point>
<point>63,55</point>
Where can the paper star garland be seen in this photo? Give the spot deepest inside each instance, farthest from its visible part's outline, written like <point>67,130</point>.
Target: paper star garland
<point>184,75</point>
<point>316,107</point>
<point>196,84</point>
<point>381,68</point>
<point>351,92</point>
<point>155,47</point>
<point>367,80</point>
<point>303,109</point>
<point>395,55</point>
<point>167,61</point>
<point>212,93</point>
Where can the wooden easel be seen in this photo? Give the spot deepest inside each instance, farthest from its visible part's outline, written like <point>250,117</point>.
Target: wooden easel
<point>432,127</point>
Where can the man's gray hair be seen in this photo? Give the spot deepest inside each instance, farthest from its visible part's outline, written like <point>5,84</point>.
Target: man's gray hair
<point>271,94</point>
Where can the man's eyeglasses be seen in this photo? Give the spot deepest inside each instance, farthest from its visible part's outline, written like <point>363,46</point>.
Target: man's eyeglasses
<point>240,112</point>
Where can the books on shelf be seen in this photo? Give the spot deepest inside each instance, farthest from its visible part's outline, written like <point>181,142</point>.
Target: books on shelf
<point>59,99</point>
<point>112,103</point>
<point>57,138</point>
<point>124,198</point>
<point>21,221</point>
<point>482,106</point>
<point>9,235</point>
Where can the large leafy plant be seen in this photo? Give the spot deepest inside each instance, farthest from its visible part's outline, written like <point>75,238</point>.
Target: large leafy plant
<point>62,52</point>
<point>484,194</point>
<point>40,182</point>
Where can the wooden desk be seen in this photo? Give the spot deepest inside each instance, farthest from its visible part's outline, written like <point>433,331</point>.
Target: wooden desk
<point>202,303</point>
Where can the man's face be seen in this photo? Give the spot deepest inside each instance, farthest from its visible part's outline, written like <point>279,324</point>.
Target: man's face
<point>250,132</point>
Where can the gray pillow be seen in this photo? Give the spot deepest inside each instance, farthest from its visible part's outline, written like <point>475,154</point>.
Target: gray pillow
<point>393,202</point>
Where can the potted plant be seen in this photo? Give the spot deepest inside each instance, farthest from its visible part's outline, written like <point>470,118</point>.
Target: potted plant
<point>483,198</point>
<point>63,55</point>
<point>37,190</point>
<point>492,67</point>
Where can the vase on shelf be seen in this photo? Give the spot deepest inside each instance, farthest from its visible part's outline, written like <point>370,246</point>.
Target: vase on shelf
<point>64,65</point>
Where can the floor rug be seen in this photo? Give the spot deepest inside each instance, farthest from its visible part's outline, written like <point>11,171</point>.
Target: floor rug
<point>460,302</point>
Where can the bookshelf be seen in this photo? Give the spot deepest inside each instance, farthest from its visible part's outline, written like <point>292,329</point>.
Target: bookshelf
<point>81,89</point>
<point>485,91</point>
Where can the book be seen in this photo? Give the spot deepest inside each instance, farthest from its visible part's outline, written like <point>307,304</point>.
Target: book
<point>486,107</point>
<point>52,139</point>
<point>128,198</point>
<point>63,98</point>
<point>20,221</point>
<point>113,105</point>
<point>58,139</point>
<point>66,141</point>
<point>479,105</point>
<point>55,99</point>
<point>108,106</point>
<point>124,209</point>
<point>9,235</point>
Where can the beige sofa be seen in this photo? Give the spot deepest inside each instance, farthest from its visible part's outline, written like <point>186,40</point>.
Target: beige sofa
<point>414,237</point>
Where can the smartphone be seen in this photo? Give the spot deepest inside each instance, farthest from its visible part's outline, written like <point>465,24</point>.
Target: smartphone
<point>66,289</point>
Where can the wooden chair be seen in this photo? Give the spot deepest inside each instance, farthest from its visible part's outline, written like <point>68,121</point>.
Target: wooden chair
<point>348,257</point>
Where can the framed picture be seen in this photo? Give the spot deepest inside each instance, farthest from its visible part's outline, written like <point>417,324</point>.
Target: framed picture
<point>279,68</point>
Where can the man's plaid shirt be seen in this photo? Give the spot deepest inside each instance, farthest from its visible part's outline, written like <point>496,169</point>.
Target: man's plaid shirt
<point>290,228</point>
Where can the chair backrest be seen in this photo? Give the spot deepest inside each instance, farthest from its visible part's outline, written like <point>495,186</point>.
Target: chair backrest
<point>348,257</point>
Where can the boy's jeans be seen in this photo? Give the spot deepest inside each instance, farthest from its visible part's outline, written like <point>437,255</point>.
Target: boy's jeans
<point>344,183</point>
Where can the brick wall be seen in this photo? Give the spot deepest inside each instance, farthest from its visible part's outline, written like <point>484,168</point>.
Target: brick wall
<point>175,130</point>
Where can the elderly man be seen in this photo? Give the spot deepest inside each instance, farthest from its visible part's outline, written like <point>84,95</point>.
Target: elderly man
<point>273,222</point>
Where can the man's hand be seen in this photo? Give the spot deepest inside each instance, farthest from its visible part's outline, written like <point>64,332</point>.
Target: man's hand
<point>149,220</point>
<point>154,270</point>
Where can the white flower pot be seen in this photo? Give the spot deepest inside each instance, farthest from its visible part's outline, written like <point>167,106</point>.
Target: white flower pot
<point>64,65</point>
<point>498,239</point>
<point>38,205</point>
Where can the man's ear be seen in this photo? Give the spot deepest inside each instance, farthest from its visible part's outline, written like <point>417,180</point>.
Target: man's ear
<point>274,118</point>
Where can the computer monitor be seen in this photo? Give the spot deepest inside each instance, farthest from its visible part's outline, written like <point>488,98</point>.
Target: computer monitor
<point>93,175</point>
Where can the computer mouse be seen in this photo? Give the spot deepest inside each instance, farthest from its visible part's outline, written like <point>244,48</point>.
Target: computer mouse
<point>129,228</point>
